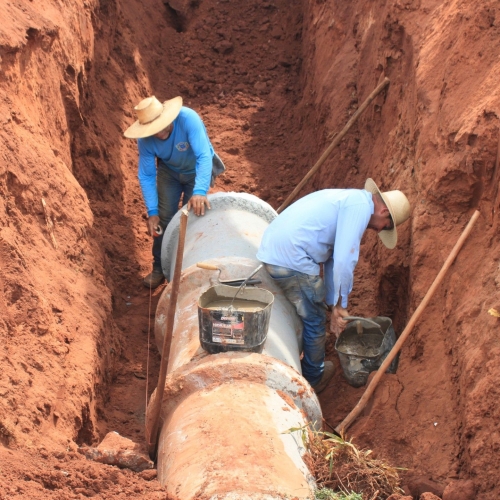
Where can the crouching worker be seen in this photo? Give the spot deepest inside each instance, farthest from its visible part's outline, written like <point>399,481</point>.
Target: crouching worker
<point>176,160</point>
<point>326,228</point>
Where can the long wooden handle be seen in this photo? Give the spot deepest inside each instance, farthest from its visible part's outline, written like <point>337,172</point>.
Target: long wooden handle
<point>335,143</point>
<point>206,265</point>
<point>416,315</point>
<point>169,326</point>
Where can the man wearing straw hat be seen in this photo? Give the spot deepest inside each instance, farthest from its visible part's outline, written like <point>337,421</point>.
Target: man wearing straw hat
<point>326,228</point>
<point>176,159</point>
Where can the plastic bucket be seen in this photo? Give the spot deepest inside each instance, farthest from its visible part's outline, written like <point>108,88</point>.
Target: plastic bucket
<point>240,328</point>
<point>363,346</point>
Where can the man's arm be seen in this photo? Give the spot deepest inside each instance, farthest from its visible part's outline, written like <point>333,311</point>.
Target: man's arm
<point>198,139</point>
<point>351,224</point>
<point>337,323</point>
<point>147,177</point>
<point>352,221</point>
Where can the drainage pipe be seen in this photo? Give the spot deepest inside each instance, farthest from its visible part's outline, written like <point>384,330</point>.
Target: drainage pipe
<point>224,416</point>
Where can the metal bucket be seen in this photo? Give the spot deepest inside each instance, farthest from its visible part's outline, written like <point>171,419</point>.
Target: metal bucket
<point>363,346</point>
<point>240,328</point>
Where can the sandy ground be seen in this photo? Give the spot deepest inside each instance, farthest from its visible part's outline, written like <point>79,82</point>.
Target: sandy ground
<point>274,81</point>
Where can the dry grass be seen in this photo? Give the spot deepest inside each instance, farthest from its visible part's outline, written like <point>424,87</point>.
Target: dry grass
<point>339,465</point>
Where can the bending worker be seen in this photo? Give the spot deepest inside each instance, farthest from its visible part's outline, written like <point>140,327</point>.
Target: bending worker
<point>176,159</point>
<point>326,227</point>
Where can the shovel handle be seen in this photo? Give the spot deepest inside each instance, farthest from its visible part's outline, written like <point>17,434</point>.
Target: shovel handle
<point>206,265</point>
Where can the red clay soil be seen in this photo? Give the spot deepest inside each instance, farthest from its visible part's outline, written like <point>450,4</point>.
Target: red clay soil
<point>274,81</point>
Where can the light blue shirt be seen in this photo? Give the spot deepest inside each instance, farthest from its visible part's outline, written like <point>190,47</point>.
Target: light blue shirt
<point>186,151</point>
<point>324,227</point>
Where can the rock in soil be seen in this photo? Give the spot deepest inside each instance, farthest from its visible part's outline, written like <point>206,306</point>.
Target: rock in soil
<point>120,451</point>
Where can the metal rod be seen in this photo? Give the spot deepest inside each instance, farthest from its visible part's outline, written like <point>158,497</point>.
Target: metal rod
<point>254,272</point>
<point>334,143</point>
<point>341,428</point>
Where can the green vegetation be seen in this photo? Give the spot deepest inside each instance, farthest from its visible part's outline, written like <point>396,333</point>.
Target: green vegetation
<point>328,494</point>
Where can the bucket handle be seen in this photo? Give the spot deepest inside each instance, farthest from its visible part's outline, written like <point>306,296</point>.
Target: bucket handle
<point>359,318</point>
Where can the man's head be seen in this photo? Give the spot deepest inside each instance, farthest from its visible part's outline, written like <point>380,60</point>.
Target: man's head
<point>153,117</point>
<point>391,208</point>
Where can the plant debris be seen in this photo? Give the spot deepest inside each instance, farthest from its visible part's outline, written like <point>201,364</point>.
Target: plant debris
<point>337,464</point>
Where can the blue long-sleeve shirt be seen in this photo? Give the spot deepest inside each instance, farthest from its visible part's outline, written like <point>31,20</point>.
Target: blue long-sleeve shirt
<point>324,227</point>
<point>187,150</point>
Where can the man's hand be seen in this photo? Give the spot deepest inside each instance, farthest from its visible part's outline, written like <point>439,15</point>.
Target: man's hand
<point>198,203</point>
<point>337,323</point>
<point>153,223</point>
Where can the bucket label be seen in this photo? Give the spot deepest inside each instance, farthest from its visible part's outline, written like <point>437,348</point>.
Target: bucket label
<point>228,329</point>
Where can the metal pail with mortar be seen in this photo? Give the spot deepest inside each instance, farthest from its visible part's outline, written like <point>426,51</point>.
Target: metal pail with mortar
<point>242,327</point>
<point>363,346</point>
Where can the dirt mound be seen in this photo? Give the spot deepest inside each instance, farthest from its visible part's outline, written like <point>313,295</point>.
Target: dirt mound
<point>273,81</point>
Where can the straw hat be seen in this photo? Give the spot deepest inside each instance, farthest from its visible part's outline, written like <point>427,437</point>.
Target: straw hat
<point>153,117</point>
<point>398,206</point>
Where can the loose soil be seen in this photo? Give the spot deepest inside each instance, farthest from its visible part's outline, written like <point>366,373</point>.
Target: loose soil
<point>274,81</point>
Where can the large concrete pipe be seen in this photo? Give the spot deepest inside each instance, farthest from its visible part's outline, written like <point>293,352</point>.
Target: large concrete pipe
<point>224,416</point>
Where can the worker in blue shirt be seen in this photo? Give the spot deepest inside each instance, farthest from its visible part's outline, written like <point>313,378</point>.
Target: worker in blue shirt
<point>326,228</point>
<point>176,160</point>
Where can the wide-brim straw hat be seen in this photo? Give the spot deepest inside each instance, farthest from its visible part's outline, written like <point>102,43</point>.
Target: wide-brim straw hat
<point>153,117</point>
<point>398,206</point>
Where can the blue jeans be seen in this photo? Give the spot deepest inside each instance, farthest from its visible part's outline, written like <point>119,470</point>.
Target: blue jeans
<point>307,293</point>
<point>170,186</point>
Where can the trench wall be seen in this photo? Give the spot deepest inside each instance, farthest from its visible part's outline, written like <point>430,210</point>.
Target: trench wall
<point>53,365</point>
<point>65,69</point>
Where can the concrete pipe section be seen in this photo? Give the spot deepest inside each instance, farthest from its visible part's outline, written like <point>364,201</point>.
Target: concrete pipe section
<point>225,417</point>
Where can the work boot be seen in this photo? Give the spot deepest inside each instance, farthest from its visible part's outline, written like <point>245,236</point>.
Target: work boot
<point>154,279</point>
<point>326,377</point>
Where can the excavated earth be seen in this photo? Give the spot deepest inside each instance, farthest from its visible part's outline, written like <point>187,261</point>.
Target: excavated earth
<point>274,81</point>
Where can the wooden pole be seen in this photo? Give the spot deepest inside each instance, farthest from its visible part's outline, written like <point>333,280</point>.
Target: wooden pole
<point>169,326</point>
<point>342,427</point>
<point>334,143</point>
